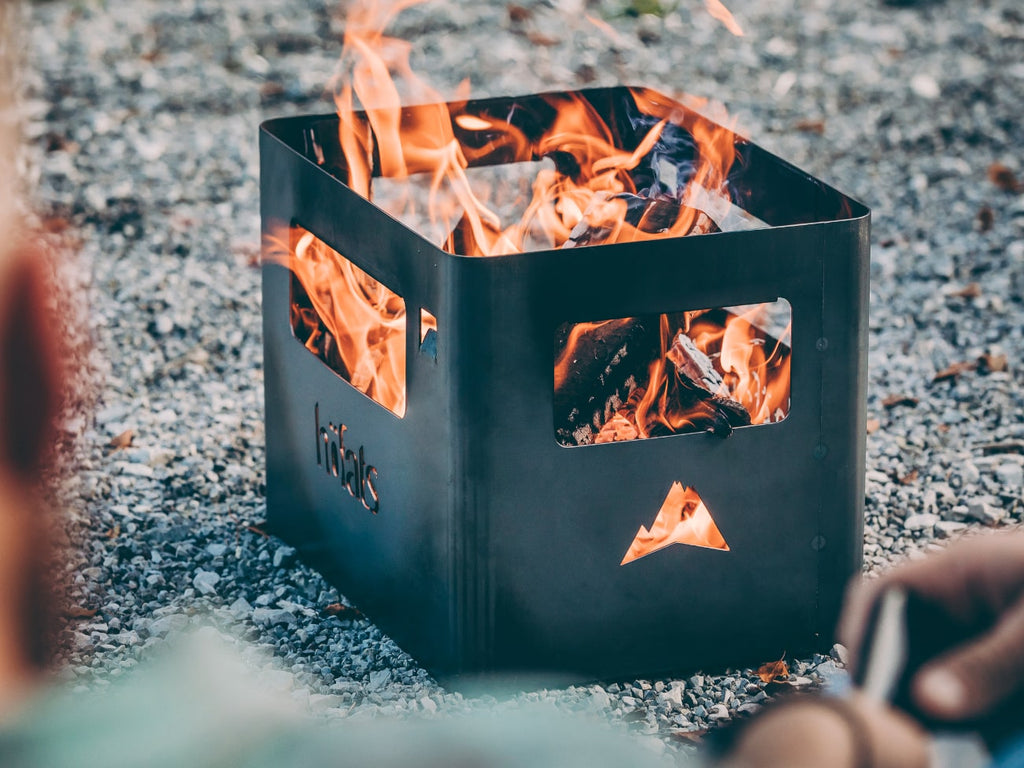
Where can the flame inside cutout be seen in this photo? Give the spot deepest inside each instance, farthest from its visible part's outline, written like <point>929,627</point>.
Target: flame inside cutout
<point>682,519</point>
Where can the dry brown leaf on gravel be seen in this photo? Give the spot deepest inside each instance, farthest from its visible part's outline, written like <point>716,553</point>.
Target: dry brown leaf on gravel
<point>994,363</point>
<point>255,528</point>
<point>773,671</point>
<point>985,218</point>
<point>342,611</point>
<point>1004,178</point>
<point>517,14</point>
<point>873,426</point>
<point>969,291</point>
<point>909,478</point>
<point>689,737</point>
<point>893,400</point>
<point>810,126</point>
<point>954,371</point>
<point>77,612</point>
<point>539,38</point>
<point>122,441</point>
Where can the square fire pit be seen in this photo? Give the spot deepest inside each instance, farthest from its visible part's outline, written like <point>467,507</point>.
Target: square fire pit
<point>485,505</point>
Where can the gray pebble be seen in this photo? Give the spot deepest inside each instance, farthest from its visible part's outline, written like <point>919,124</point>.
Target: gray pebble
<point>921,522</point>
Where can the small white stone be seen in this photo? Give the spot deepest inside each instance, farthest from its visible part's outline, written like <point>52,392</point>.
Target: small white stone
<point>985,513</point>
<point>921,522</point>
<point>948,528</point>
<point>924,85</point>
<point>206,582</point>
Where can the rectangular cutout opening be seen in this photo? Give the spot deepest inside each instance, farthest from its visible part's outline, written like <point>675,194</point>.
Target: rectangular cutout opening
<point>428,334</point>
<point>349,320</point>
<point>709,370</point>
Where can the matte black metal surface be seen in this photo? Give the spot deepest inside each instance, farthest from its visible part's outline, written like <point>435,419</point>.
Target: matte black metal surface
<point>497,549</point>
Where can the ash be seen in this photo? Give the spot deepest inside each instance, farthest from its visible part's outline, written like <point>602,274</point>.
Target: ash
<point>141,125</point>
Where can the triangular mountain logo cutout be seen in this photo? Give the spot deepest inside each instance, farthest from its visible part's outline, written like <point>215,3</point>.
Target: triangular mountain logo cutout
<point>682,519</point>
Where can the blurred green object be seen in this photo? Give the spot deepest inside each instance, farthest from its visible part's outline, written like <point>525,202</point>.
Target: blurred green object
<point>201,708</point>
<point>641,7</point>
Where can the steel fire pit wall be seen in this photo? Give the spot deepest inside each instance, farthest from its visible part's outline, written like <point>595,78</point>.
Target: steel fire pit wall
<point>494,548</point>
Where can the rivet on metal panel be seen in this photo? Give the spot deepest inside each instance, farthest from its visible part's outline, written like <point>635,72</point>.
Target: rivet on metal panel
<point>818,543</point>
<point>821,344</point>
<point>820,451</point>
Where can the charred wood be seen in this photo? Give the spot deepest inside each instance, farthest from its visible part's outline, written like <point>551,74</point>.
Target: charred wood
<point>698,374</point>
<point>597,366</point>
<point>651,215</point>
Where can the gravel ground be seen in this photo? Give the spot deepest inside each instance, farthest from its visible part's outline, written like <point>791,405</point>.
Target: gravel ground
<point>142,120</point>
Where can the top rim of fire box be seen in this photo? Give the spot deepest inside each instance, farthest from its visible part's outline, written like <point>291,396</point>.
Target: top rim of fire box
<point>765,191</point>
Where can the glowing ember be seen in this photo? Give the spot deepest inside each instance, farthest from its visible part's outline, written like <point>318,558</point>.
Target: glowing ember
<point>682,519</point>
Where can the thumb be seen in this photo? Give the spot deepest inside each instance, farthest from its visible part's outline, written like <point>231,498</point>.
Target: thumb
<point>974,678</point>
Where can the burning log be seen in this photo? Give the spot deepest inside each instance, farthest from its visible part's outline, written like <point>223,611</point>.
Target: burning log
<point>697,372</point>
<point>596,370</point>
<point>628,212</point>
<point>602,375</point>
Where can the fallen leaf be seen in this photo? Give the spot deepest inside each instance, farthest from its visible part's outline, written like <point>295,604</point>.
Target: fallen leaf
<point>894,400</point>
<point>993,363</point>
<point>517,14</point>
<point>1007,446</point>
<point>114,532</point>
<point>255,528</point>
<point>773,671</point>
<point>985,218</point>
<point>271,88</point>
<point>539,38</point>
<point>689,737</point>
<point>909,478</point>
<point>969,291</point>
<point>873,426</point>
<point>954,371</point>
<point>55,225</point>
<point>1003,177</point>
<point>122,441</point>
<point>810,126</point>
<point>77,612</point>
<point>342,610</point>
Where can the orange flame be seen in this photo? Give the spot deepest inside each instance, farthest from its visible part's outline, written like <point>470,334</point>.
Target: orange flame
<point>682,519</point>
<point>756,379</point>
<point>355,324</point>
<point>397,142</point>
<point>582,200</point>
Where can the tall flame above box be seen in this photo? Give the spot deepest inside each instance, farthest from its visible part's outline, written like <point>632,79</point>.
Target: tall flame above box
<point>468,529</point>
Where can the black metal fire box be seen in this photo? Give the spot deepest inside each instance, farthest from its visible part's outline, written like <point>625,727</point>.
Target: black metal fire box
<point>481,540</point>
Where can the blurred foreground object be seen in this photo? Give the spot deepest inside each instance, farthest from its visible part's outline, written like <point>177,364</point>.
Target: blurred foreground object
<point>29,397</point>
<point>965,625</point>
<point>200,707</point>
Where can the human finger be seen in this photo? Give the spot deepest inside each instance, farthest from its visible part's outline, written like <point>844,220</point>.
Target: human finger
<point>961,590</point>
<point>973,679</point>
<point>820,731</point>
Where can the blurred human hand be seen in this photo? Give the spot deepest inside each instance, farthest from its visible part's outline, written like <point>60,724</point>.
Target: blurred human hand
<point>814,731</point>
<point>965,623</point>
